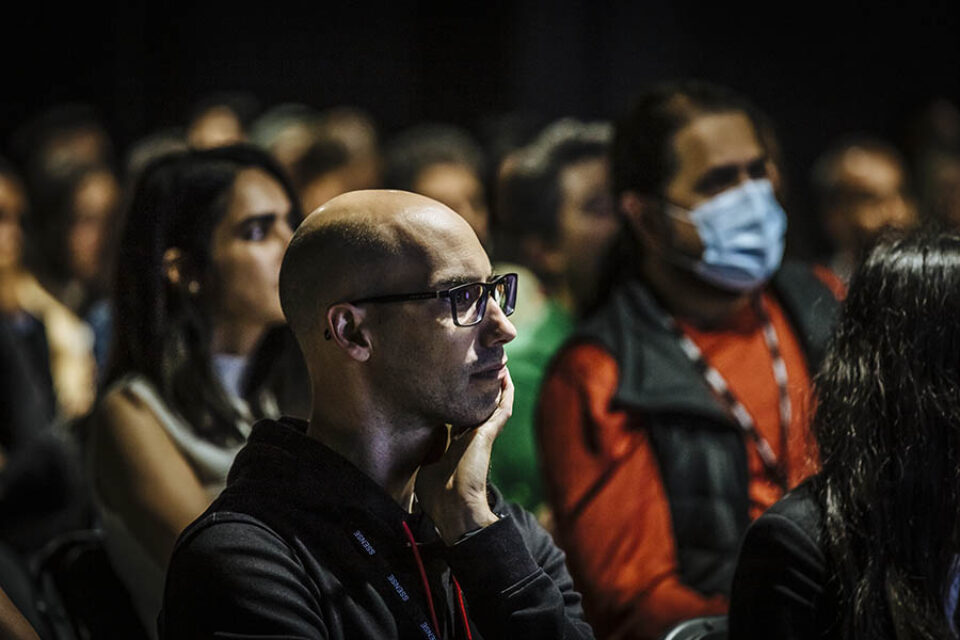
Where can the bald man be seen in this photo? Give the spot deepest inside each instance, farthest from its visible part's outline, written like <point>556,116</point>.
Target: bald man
<point>375,519</point>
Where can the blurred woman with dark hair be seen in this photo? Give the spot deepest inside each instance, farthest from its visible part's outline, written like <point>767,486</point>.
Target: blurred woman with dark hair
<point>867,549</point>
<point>70,244</point>
<point>197,305</point>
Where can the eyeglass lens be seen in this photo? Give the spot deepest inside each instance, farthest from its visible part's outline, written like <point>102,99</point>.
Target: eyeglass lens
<point>470,302</point>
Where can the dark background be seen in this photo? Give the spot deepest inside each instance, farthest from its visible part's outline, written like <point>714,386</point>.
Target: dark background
<point>819,71</point>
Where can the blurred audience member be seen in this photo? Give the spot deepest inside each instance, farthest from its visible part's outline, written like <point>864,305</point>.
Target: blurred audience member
<point>196,293</point>
<point>320,174</point>
<point>556,220</point>
<point>150,147</point>
<point>502,134</point>
<point>557,213</point>
<point>343,157</point>
<point>61,139</point>
<point>933,145</point>
<point>70,247</point>
<point>57,346</point>
<point>286,132</point>
<point>42,490</point>
<point>675,415</point>
<point>221,119</point>
<point>861,187</point>
<point>357,132</point>
<point>868,548</point>
<point>444,163</point>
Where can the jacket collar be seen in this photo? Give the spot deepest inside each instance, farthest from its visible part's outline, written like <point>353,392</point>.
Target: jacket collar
<point>656,376</point>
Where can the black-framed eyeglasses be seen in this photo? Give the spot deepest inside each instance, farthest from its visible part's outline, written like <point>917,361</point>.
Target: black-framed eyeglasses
<point>468,302</point>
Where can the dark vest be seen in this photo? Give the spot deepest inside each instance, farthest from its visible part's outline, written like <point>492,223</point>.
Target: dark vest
<point>699,447</point>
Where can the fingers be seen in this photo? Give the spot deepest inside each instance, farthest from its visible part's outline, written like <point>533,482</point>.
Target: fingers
<point>506,395</point>
<point>504,409</point>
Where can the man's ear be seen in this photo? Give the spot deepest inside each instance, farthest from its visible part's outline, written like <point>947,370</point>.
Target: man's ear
<point>644,217</point>
<point>346,328</point>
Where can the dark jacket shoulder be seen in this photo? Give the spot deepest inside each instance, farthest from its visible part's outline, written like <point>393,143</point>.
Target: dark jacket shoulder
<point>782,586</point>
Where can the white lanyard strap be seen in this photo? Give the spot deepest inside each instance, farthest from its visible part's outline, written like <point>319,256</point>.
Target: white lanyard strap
<point>721,389</point>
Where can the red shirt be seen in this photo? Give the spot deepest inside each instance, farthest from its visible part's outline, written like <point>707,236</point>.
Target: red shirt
<point>609,502</point>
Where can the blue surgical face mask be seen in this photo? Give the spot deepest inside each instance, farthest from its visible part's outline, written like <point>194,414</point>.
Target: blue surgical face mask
<point>742,231</point>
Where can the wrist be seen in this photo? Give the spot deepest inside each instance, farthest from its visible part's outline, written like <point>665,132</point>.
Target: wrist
<point>456,525</point>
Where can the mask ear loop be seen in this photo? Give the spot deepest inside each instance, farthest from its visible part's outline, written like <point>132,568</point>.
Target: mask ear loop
<point>666,210</point>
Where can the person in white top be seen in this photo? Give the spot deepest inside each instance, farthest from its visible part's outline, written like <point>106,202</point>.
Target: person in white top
<point>196,297</point>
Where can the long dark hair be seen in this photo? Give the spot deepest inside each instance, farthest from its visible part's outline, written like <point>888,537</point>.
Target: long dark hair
<point>163,331</point>
<point>888,428</point>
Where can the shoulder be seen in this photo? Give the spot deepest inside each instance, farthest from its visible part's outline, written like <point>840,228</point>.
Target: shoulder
<point>230,555</point>
<point>233,573</point>
<point>781,588</point>
<point>129,406</point>
<point>584,360</point>
<point>125,397</point>
<point>789,531</point>
<point>800,508</point>
<point>219,535</point>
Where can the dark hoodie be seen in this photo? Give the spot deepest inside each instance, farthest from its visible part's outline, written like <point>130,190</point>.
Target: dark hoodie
<point>302,544</point>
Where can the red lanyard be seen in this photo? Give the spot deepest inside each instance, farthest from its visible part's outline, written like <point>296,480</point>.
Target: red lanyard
<point>426,585</point>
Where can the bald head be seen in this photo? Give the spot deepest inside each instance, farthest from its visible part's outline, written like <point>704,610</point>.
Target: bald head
<point>366,243</point>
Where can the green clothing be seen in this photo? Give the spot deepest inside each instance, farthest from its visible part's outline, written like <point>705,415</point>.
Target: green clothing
<point>514,466</point>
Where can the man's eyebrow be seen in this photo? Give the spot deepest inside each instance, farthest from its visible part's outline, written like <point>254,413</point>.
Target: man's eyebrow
<point>716,177</point>
<point>455,281</point>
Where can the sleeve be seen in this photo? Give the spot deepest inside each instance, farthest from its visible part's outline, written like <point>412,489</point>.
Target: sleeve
<point>238,580</point>
<point>779,580</point>
<point>609,503</point>
<point>515,582</point>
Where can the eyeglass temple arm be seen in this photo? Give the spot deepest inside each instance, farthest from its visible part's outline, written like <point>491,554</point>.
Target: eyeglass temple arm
<point>404,297</point>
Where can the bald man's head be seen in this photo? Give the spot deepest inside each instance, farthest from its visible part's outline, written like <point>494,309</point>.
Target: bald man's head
<point>364,243</point>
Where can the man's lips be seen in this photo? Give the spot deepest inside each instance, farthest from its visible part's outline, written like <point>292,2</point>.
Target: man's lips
<point>492,371</point>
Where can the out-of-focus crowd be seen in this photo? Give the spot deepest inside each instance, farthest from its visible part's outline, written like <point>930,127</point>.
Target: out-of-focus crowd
<point>141,333</point>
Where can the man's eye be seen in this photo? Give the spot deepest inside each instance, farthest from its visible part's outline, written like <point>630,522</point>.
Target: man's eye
<point>757,169</point>
<point>717,180</point>
<point>467,296</point>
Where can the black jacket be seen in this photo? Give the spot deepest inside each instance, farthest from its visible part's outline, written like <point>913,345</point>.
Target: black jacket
<point>302,544</point>
<point>781,588</point>
<point>699,447</point>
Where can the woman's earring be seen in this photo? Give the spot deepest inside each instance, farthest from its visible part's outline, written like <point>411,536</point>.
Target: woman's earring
<point>193,287</point>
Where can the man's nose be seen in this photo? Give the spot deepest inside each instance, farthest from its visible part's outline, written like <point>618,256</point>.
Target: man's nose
<point>497,327</point>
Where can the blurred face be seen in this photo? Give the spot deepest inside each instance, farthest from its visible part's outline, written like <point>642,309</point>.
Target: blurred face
<point>713,153</point>
<point>246,250</point>
<point>74,148</point>
<point>436,370</point>
<point>323,188</point>
<point>12,205</point>
<point>95,204</point>
<point>217,127</point>
<point>870,197</point>
<point>587,222</point>
<point>459,188</point>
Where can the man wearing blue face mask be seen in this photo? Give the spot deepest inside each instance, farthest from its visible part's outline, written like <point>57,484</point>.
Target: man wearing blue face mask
<point>678,411</point>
